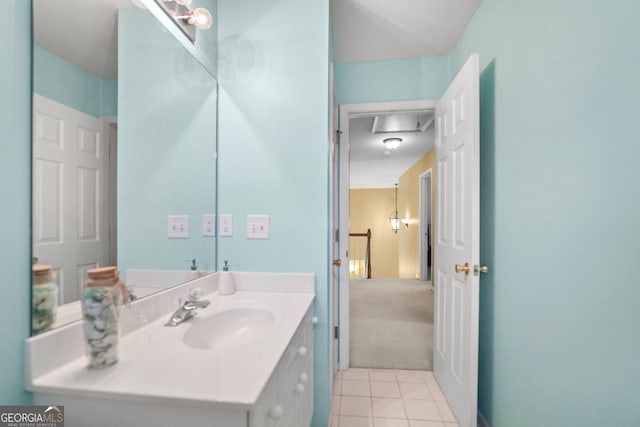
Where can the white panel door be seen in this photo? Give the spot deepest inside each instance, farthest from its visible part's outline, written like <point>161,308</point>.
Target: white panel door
<point>457,243</point>
<point>70,222</point>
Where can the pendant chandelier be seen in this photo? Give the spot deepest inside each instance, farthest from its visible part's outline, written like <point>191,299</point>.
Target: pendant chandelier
<point>393,219</point>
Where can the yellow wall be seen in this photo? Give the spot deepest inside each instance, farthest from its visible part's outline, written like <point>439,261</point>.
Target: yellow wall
<point>409,208</point>
<point>371,209</point>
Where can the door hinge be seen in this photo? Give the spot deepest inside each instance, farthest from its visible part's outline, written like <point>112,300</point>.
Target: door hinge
<point>336,332</point>
<point>337,235</point>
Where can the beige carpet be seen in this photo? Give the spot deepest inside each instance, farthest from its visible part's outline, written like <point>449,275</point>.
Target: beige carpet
<point>391,324</point>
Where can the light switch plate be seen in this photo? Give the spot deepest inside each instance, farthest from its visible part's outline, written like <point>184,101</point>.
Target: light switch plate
<point>226,225</point>
<point>257,226</point>
<point>208,225</point>
<point>178,227</point>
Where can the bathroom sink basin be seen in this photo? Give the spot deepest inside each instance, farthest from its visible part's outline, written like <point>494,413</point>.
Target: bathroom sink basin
<point>228,328</point>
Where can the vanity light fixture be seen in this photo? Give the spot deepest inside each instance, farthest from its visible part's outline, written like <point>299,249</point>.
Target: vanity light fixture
<point>199,17</point>
<point>406,222</point>
<point>392,143</point>
<point>393,219</point>
<point>186,17</point>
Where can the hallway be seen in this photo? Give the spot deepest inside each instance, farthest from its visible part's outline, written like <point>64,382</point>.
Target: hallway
<point>391,324</point>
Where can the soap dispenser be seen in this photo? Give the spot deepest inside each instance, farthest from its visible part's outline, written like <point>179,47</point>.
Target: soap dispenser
<point>193,272</point>
<point>225,281</point>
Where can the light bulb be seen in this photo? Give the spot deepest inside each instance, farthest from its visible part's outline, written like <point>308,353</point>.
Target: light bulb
<point>392,143</point>
<point>201,18</point>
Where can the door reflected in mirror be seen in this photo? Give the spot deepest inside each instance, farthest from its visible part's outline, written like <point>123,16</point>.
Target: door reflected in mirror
<point>124,128</point>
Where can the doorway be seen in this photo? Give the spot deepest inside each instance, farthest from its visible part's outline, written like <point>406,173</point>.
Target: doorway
<point>348,113</point>
<point>456,266</point>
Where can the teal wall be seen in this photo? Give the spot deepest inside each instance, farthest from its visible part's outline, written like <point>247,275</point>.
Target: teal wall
<point>15,193</point>
<point>61,81</point>
<point>394,80</point>
<point>559,204</point>
<point>273,145</point>
<point>560,211</point>
<point>166,147</point>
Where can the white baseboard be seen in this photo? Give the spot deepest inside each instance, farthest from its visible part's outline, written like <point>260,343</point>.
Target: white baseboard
<point>482,421</point>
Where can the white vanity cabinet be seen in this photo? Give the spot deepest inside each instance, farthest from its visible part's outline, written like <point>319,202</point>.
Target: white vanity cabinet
<point>165,377</point>
<point>287,399</point>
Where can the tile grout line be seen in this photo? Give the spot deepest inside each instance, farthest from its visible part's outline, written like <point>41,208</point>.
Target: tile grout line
<point>373,420</point>
<point>396,382</point>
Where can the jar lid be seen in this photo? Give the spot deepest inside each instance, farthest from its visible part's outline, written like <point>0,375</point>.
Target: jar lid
<point>41,269</point>
<point>104,276</point>
<point>103,273</point>
<point>42,274</point>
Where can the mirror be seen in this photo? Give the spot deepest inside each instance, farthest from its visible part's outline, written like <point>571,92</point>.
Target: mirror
<point>124,149</point>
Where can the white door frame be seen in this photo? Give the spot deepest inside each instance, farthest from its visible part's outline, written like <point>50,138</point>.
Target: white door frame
<point>111,136</point>
<point>423,220</point>
<point>334,223</point>
<point>347,112</point>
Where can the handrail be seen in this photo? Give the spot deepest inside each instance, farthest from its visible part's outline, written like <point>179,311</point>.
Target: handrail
<point>367,258</point>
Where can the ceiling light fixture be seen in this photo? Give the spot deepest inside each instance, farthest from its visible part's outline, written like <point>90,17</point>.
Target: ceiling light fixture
<point>392,143</point>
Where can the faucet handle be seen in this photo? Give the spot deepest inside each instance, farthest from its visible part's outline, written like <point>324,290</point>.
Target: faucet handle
<point>195,294</point>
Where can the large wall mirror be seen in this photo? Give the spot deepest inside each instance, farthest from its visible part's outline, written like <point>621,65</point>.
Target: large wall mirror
<point>124,136</point>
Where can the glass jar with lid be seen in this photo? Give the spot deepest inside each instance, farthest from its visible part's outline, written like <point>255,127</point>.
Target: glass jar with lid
<point>102,297</point>
<point>45,299</point>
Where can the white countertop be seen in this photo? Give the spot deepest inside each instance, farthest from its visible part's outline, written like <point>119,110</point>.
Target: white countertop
<point>155,364</point>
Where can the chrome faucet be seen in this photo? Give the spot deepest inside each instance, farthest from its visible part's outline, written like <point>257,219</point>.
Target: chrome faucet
<point>188,309</point>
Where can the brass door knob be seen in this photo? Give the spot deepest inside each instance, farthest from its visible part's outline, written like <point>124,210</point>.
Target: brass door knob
<point>337,262</point>
<point>484,269</point>
<point>462,268</point>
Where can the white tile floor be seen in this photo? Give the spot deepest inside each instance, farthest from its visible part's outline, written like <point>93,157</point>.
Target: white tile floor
<point>388,398</point>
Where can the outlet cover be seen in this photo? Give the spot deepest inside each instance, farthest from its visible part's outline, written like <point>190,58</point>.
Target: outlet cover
<point>257,226</point>
<point>178,227</point>
<point>208,225</point>
<point>226,226</point>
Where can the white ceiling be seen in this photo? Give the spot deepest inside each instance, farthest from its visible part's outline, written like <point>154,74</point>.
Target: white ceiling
<point>370,167</point>
<point>374,30</point>
<point>83,32</point>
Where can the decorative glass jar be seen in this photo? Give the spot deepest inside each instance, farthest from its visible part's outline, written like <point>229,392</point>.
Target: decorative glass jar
<point>103,296</point>
<point>45,299</point>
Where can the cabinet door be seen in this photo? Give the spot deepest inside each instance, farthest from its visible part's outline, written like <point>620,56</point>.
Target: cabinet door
<point>296,381</point>
<point>304,399</point>
<point>267,412</point>
<point>288,379</point>
<point>287,400</point>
